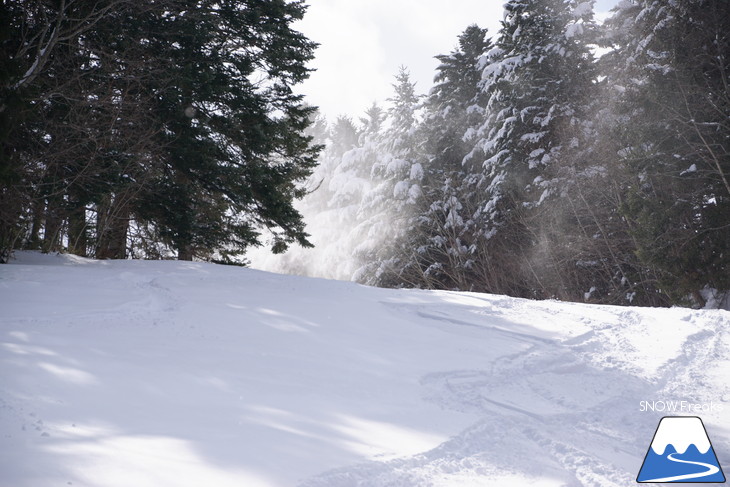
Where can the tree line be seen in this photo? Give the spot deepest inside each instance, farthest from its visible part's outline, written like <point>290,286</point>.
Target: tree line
<point>534,167</point>
<point>154,129</point>
<point>537,168</point>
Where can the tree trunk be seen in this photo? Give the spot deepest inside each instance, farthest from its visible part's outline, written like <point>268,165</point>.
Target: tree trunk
<point>77,238</point>
<point>54,223</point>
<point>701,302</point>
<point>34,240</point>
<point>185,252</point>
<point>117,248</point>
<point>112,227</point>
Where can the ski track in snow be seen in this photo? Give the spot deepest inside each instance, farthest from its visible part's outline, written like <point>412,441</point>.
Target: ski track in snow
<point>523,400</point>
<point>543,393</point>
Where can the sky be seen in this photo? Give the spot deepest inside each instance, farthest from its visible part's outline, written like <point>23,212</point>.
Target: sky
<point>364,42</point>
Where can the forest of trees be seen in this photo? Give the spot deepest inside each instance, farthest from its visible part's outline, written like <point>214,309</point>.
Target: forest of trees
<point>533,167</point>
<point>152,129</point>
<point>536,168</point>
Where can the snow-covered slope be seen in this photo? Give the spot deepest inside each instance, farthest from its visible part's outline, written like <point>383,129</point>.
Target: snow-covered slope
<point>131,373</point>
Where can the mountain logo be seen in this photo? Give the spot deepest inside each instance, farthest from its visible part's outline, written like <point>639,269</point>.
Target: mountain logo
<point>680,452</point>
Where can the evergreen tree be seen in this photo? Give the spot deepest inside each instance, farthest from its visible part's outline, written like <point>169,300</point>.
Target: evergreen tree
<point>77,76</point>
<point>184,129</point>
<point>344,136</point>
<point>444,249</point>
<point>670,68</point>
<point>387,210</point>
<point>235,147</point>
<point>537,80</point>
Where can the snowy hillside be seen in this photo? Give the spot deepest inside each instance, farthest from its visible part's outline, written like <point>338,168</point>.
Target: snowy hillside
<point>174,374</point>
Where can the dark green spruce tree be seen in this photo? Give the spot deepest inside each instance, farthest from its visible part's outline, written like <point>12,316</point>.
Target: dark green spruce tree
<point>671,66</point>
<point>75,118</point>
<point>232,127</point>
<point>164,129</point>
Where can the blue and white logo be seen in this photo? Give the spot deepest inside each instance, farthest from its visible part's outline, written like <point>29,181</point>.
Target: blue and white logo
<point>681,452</point>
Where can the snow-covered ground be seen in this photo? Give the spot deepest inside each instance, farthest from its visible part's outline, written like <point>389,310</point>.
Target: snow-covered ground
<point>133,373</point>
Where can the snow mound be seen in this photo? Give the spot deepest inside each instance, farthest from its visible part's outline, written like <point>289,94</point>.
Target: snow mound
<point>121,373</point>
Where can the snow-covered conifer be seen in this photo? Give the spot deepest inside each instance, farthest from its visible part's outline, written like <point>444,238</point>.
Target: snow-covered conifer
<point>387,210</point>
<point>669,71</point>
<point>443,252</point>
<point>536,81</point>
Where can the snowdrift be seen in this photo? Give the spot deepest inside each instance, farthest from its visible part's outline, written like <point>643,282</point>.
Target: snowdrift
<point>134,373</point>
